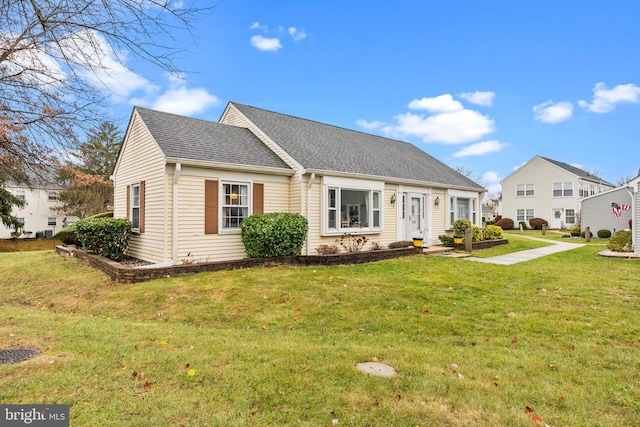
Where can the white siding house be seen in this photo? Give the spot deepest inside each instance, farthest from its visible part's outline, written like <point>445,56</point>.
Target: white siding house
<point>187,184</point>
<point>548,189</point>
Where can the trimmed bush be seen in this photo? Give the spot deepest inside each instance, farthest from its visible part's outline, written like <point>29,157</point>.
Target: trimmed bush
<point>107,237</point>
<point>537,223</point>
<point>505,223</point>
<point>575,232</point>
<point>460,226</point>
<point>620,241</point>
<point>446,240</point>
<point>493,232</point>
<point>604,234</point>
<point>523,225</point>
<point>273,234</point>
<point>476,234</point>
<point>68,235</point>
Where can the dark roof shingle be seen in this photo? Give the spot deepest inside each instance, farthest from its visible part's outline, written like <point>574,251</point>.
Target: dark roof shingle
<point>195,139</point>
<point>319,146</point>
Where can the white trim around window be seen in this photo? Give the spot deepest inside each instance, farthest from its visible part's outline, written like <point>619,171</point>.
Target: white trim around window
<point>351,206</point>
<point>525,190</point>
<point>235,202</point>
<point>462,205</point>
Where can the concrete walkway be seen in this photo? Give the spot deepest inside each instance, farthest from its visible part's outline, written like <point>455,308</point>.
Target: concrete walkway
<point>522,256</point>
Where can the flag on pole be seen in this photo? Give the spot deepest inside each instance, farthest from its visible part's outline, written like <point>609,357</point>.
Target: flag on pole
<point>617,209</point>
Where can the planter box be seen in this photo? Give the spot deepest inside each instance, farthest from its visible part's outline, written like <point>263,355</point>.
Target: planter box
<point>483,244</point>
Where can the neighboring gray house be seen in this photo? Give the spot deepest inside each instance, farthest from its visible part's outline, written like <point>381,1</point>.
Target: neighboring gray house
<point>187,184</point>
<point>615,209</point>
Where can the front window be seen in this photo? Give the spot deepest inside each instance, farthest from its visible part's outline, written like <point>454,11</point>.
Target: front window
<point>235,205</point>
<point>462,208</point>
<point>563,189</point>
<point>524,215</point>
<point>525,190</point>
<point>353,209</point>
<point>570,216</point>
<point>135,207</point>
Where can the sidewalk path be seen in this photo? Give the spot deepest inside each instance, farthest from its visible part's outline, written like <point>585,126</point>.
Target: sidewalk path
<point>522,256</point>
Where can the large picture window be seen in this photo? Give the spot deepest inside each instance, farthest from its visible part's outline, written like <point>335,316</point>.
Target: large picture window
<point>235,207</point>
<point>462,208</point>
<point>350,209</point>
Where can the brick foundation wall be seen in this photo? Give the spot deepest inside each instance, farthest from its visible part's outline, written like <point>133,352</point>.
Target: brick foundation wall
<point>124,274</point>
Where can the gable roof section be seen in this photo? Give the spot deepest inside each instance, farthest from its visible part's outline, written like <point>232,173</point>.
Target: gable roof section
<point>578,172</point>
<point>186,138</point>
<point>322,147</point>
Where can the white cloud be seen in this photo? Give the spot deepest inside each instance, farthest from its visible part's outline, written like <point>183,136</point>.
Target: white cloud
<point>297,34</point>
<point>491,181</point>
<point>179,99</point>
<point>265,43</point>
<point>553,112</point>
<point>479,98</point>
<point>439,104</point>
<point>604,100</point>
<point>370,125</point>
<point>455,127</point>
<point>481,148</point>
<point>257,26</point>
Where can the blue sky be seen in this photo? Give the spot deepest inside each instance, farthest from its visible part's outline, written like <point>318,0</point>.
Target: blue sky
<point>484,86</point>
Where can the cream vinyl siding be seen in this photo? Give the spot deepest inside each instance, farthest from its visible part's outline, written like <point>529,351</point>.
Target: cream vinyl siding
<point>438,215</point>
<point>390,215</point>
<point>142,160</point>
<point>196,246</point>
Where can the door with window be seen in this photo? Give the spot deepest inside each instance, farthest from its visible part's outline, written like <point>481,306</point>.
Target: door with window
<point>556,218</point>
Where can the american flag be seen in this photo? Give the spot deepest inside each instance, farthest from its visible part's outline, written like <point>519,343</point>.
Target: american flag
<point>618,207</point>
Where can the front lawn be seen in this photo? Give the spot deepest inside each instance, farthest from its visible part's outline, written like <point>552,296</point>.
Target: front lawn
<point>553,340</point>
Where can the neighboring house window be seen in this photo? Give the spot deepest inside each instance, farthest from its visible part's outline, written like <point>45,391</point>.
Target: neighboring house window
<point>352,208</point>
<point>52,196</point>
<point>525,190</point>
<point>52,221</point>
<point>21,221</point>
<point>135,207</point>
<point>235,204</point>
<point>563,189</point>
<point>570,216</point>
<point>20,194</point>
<point>524,215</point>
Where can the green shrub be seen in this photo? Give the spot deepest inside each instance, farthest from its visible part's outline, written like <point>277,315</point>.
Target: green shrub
<point>476,234</point>
<point>620,241</point>
<point>446,240</point>
<point>68,235</point>
<point>604,234</point>
<point>107,237</point>
<point>537,223</point>
<point>493,232</point>
<point>273,234</point>
<point>575,232</point>
<point>505,223</point>
<point>460,226</point>
<point>492,222</point>
<point>523,225</point>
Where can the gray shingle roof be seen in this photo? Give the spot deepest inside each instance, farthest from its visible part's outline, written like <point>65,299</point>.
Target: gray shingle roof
<point>319,146</point>
<point>578,172</point>
<point>195,139</point>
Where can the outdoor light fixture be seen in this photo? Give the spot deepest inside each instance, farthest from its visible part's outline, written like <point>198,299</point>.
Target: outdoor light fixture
<point>437,201</point>
<point>393,198</point>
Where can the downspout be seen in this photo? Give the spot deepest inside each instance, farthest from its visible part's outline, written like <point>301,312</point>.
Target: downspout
<point>311,179</point>
<point>174,219</point>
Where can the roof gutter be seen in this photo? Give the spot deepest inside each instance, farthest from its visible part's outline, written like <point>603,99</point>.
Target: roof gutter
<point>231,166</point>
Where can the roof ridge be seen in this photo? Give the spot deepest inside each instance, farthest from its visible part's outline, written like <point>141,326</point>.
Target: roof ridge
<point>137,107</point>
<point>322,123</point>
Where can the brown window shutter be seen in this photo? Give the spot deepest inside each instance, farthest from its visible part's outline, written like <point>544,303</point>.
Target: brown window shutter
<point>210,207</point>
<point>258,198</point>
<point>127,214</point>
<point>142,188</point>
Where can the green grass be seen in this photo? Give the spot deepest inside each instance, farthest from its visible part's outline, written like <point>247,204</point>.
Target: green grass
<point>516,244</point>
<point>555,235</point>
<point>278,346</point>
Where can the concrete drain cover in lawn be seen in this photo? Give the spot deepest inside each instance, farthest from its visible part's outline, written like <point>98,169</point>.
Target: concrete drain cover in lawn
<point>9,357</point>
<point>375,368</point>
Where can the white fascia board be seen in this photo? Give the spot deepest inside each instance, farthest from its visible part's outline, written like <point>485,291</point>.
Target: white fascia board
<point>230,166</point>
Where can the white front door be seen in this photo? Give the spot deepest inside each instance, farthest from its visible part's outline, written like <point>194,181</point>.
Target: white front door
<point>556,218</point>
